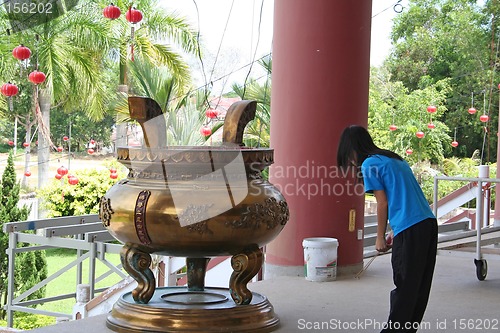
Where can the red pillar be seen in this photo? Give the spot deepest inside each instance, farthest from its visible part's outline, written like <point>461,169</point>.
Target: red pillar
<point>321,64</point>
<point>496,220</point>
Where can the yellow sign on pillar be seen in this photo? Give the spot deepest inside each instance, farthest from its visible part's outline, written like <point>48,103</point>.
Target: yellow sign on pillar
<point>352,220</point>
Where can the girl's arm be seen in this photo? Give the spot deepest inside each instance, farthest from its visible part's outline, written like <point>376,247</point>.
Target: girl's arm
<point>381,244</point>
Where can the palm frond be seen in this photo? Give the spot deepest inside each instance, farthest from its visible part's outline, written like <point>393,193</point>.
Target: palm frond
<point>154,82</point>
<point>183,126</point>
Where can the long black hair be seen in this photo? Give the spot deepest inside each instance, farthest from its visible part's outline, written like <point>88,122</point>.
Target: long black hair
<point>356,145</point>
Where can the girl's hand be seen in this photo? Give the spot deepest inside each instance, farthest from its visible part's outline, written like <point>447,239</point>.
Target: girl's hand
<point>381,245</point>
<point>389,238</point>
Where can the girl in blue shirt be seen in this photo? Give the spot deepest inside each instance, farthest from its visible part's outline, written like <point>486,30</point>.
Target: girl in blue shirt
<point>402,204</point>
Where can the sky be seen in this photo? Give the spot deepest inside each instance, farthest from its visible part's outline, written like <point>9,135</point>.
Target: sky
<point>235,32</point>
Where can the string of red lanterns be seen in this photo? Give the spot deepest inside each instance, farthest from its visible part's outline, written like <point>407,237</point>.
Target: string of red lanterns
<point>132,15</point>
<point>431,109</point>
<point>8,90</point>
<point>21,52</point>
<point>113,173</point>
<point>454,143</point>
<point>62,171</point>
<point>72,180</point>
<point>36,77</point>
<point>211,113</point>
<point>112,12</point>
<point>205,131</point>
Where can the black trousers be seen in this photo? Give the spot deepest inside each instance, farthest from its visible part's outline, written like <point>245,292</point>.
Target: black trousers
<point>413,260</point>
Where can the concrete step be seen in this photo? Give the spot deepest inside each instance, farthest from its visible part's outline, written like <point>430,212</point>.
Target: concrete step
<point>455,230</point>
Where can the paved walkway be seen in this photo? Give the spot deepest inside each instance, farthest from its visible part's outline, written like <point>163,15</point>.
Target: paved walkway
<point>459,301</point>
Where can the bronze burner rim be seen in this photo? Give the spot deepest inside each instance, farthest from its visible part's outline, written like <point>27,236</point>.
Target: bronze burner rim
<point>185,155</point>
<point>221,148</point>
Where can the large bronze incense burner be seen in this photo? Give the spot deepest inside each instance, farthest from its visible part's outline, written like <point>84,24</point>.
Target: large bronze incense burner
<point>194,202</point>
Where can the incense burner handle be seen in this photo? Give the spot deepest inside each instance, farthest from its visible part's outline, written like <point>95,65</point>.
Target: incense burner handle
<point>237,117</point>
<point>149,115</point>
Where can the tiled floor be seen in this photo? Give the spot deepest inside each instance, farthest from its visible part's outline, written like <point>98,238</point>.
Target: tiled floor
<point>459,301</point>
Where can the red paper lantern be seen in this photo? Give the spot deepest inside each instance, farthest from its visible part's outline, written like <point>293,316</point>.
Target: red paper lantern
<point>62,171</point>
<point>205,131</point>
<point>58,176</point>
<point>26,144</point>
<point>420,134</point>
<point>113,175</point>
<point>409,151</point>
<point>431,126</point>
<point>90,151</point>
<point>431,109</point>
<point>393,127</point>
<point>112,12</point>
<point>211,113</point>
<point>37,77</point>
<point>11,143</point>
<point>133,15</point>
<point>472,111</point>
<point>9,89</point>
<point>454,143</point>
<point>72,180</point>
<point>21,52</point>
<point>60,149</point>
<point>27,173</point>
<point>484,118</point>
<point>65,138</point>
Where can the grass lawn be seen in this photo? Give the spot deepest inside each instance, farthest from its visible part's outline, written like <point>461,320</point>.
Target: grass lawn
<point>66,283</point>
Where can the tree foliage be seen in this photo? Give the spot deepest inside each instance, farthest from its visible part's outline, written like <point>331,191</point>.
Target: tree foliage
<point>30,266</point>
<point>257,133</point>
<point>391,103</point>
<point>456,40</point>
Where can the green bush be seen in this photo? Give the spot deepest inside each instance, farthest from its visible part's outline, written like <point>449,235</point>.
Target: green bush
<point>29,321</point>
<point>60,198</point>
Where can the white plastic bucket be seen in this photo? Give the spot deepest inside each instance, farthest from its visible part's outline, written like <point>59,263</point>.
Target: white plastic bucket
<point>320,258</point>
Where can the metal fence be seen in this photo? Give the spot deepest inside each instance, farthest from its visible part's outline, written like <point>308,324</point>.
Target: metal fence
<point>84,233</point>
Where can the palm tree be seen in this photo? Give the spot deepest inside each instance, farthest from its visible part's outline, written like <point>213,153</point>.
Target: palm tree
<point>258,131</point>
<point>75,50</point>
<point>153,40</point>
<point>181,111</point>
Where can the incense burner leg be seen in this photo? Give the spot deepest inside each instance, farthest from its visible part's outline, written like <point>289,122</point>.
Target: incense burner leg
<point>136,262</point>
<point>245,265</point>
<point>196,270</point>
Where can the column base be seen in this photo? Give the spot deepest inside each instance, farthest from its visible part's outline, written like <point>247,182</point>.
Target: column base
<point>273,271</point>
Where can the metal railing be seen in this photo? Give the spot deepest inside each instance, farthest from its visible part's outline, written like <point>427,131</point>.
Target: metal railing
<point>482,186</point>
<point>84,233</point>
